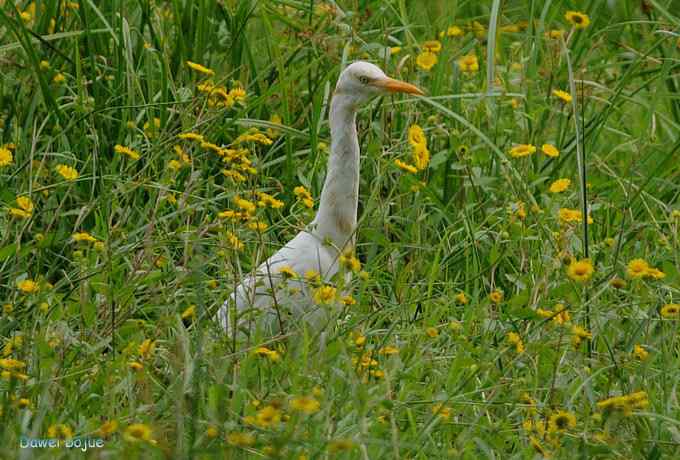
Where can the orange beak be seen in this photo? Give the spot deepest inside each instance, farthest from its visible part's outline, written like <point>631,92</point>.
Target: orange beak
<point>398,86</point>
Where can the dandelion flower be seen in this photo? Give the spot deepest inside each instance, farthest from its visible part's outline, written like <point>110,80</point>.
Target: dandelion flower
<point>560,185</point>
<point>522,150</point>
<point>426,60</point>
<point>325,295</point>
<point>405,166</point>
<point>201,69</point>
<point>563,95</point>
<point>581,270</point>
<point>268,416</point>
<point>433,46</point>
<point>126,151</point>
<point>305,404</point>
<point>637,268</point>
<point>496,296</point>
<point>671,310</point>
<point>577,19</point>
<point>468,63</point>
<point>138,432</point>
<point>421,156</point>
<point>454,31</point>
<point>561,421</point>
<point>67,172</point>
<point>6,157</point>
<point>461,298</point>
<point>28,286</point>
<point>416,136</point>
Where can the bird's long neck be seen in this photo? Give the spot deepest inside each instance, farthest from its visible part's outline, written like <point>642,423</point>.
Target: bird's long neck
<point>337,216</point>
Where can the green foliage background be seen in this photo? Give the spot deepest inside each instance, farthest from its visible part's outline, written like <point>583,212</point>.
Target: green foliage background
<point>423,238</point>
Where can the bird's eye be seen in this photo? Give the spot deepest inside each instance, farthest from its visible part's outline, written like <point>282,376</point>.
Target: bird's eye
<point>364,80</point>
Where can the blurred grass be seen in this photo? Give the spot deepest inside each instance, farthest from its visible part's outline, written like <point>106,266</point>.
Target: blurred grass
<point>455,227</point>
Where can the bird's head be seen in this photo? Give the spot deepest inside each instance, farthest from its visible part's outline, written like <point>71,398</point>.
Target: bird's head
<point>363,81</point>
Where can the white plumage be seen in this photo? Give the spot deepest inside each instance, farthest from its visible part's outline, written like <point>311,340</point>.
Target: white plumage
<point>275,300</point>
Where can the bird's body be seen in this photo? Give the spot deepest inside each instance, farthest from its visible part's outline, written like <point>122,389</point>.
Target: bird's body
<point>278,292</point>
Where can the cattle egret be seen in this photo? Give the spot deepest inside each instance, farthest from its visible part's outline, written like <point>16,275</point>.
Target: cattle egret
<point>277,296</point>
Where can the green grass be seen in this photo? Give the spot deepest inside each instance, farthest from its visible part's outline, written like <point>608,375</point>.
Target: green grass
<point>475,220</point>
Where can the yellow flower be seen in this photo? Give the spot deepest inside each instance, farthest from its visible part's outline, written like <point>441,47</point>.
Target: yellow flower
<point>432,332</point>
<point>189,313</point>
<point>339,445</point>
<point>496,296</point>
<point>60,431</point>
<point>426,60</point>
<point>433,46</point>
<point>625,403</point>
<point>265,352</point>
<point>348,300</point>
<point>468,63</point>
<point>416,136</point>
<point>442,411</point>
<point>234,242</point>
<point>579,334</point>
<point>146,348</point>
<point>560,185</point>
<point>389,350</point>
<point>287,272</point>
<point>421,156</point>
<point>313,277</point>
<point>522,150</point>
<point>561,421</point>
<point>191,137</point>
<point>126,151</point>
<point>640,353</point>
<point>83,236</point>
<point>572,215</point>
<point>656,273</point>
<point>555,34</point>
<point>637,268</point>
<point>240,439</point>
<point>265,199</point>
<point>671,310</point>
<point>405,166</point>
<point>6,157</point>
<point>461,298</point>
<point>325,295</point>
<point>28,286</point>
<point>305,404</point>
<point>25,203</point>
<point>536,444</point>
<point>563,95</point>
<point>136,366</point>
<point>577,19</point>
<point>11,364</point>
<point>454,31</point>
<point>59,78</point>
<point>108,428</point>
<point>303,195</point>
<point>268,416</point>
<point>550,150</point>
<point>138,432</point>
<point>395,50</point>
<point>349,261</point>
<point>199,68</point>
<point>516,340</point>
<point>581,270</point>
<point>67,172</point>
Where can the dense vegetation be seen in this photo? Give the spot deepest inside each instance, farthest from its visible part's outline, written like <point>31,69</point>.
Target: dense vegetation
<point>517,269</point>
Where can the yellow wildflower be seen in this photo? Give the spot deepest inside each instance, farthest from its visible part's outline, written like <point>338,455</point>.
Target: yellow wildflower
<point>416,136</point>
<point>454,31</point>
<point>561,421</point>
<point>563,95</point>
<point>265,352</point>
<point>325,294</point>
<point>432,332</point>
<point>28,286</point>
<point>405,166</point>
<point>138,432</point>
<point>637,268</point>
<point>268,416</point>
<point>581,270</point>
<point>201,69</point>
<point>426,60</point>
<point>516,340</point>
<point>577,19</point>
<point>421,156</point>
<point>522,150</point>
<point>108,428</point>
<point>303,195</point>
<point>6,157</point>
<point>126,151</point>
<point>560,185</point>
<point>305,404</point>
<point>671,310</point>
<point>442,411</point>
<point>60,431</point>
<point>433,46</point>
<point>67,172</point>
<point>468,63</point>
<point>241,439</point>
<point>83,236</point>
<point>496,296</point>
<point>461,298</point>
<point>640,353</point>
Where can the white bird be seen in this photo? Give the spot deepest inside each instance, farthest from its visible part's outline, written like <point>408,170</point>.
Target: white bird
<point>276,300</point>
